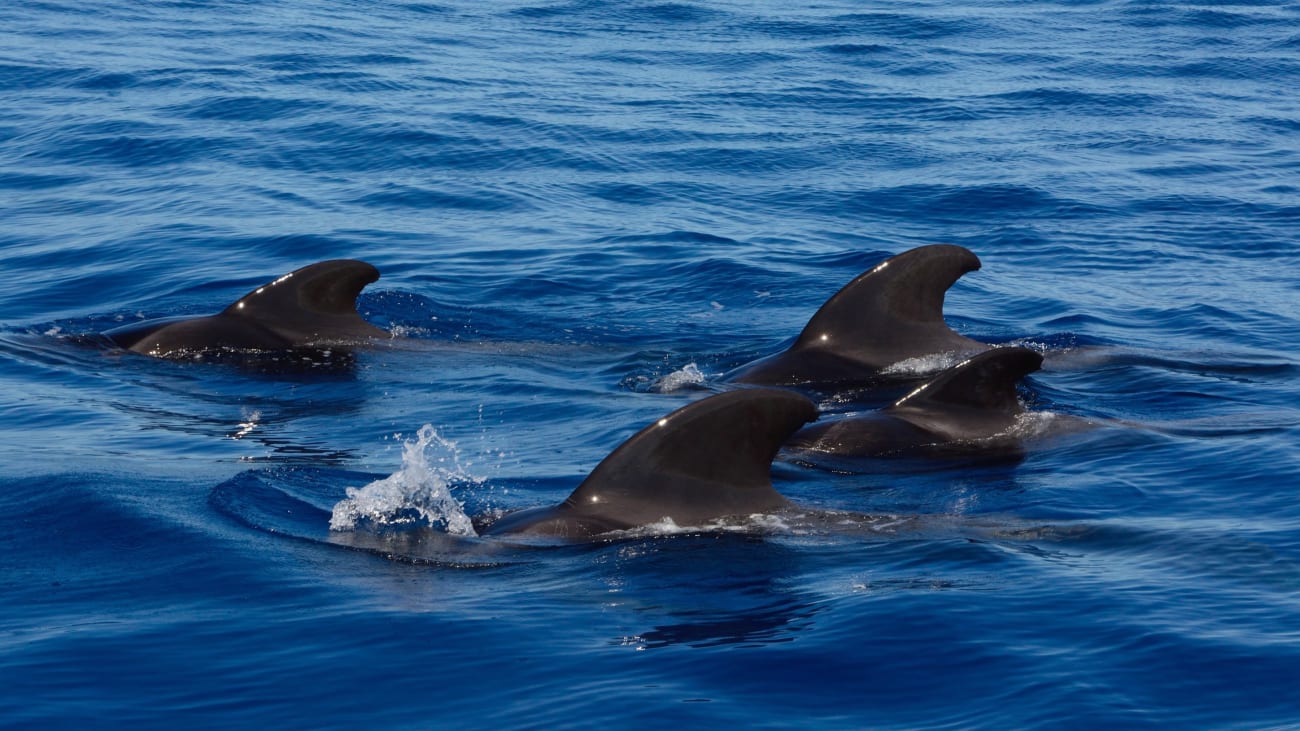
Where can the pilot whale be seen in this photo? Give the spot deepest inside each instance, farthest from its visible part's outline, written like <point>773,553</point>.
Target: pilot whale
<point>315,306</point>
<point>888,314</point>
<point>710,459</point>
<point>970,408</point>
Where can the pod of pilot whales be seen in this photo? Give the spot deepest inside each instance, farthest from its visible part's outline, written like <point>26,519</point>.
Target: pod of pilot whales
<point>711,459</point>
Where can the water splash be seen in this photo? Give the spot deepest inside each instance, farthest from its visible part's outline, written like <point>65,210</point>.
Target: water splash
<point>1040,425</point>
<point>688,375</point>
<point>753,523</point>
<point>250,422</point>
<point>924,365</point>
<point>409,331</point>
<point>419,491</point>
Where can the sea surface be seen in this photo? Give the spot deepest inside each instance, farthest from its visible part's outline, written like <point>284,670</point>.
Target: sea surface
<point>585,213</point>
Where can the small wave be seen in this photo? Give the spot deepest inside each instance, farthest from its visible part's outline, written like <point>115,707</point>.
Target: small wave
<point>393,196</point>
<point>419,490</point>
<point>249,108</point>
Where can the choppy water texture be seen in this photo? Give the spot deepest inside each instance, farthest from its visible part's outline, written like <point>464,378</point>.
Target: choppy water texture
<point>584,213</point>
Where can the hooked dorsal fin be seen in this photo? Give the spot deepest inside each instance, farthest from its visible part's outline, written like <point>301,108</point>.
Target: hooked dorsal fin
<point>986,381</point>
<point>895,310</point>
<point>709,459</point>
<point>316,302</point>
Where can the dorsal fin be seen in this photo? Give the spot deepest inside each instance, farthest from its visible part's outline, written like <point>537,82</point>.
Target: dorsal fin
<point>318,301</point>
<point>895,310</point>
<point>986,381</point>
<point>709,459</point>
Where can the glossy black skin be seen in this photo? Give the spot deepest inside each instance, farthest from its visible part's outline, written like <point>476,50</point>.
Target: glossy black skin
<point>970,408</point>
<point>886,315</point>
<point>312,307</point>
<point>710,459</point>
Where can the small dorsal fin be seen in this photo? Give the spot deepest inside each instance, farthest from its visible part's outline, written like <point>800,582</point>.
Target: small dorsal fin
<point>986,381</point>
<point>709,459</point>
<point>895,310</point>
<point>318,301</point>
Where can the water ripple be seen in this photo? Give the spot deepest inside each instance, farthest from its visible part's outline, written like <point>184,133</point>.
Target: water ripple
<point>584,213</point>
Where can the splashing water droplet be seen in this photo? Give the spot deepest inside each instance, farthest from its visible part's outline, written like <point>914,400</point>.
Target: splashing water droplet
<point>923,365</point>
<point>689,375</point>
<point>421,487</point>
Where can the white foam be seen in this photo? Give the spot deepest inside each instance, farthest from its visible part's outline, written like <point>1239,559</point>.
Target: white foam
<point>689,375</point>
<point>924,364</point>
<point>250,422</point>
<point>666,526</point>
<point>1049,424</point>
<point>421,487</point>
<point>408,331</point>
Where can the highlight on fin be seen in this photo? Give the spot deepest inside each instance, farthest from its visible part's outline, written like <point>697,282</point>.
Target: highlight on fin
<point>972,408</point>
<point>315,306</point>
<point>707,460</point>
<point>986,381</point>
<point>888,314</point>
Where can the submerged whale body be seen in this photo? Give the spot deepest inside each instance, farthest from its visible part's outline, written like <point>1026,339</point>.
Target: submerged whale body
<point>710,459</point>
<point>970,408</point>
<point>886,315</point>
<point>315,306</point>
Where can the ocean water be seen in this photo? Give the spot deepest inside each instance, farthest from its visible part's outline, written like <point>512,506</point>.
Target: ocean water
<point>584,213</point>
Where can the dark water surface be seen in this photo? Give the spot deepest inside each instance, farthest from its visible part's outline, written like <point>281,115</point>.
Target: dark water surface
<point>584,214</point>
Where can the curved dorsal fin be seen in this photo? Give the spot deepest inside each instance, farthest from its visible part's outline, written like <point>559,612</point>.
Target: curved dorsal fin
<point>895,310</point>
<point>709,459</point>
<point>318,301</point>
<point>986,381</point>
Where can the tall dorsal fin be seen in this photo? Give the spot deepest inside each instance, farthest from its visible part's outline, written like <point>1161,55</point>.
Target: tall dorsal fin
<point>709,459</point>
<point>986,381</point>
<point>318,301</point>
<point>895,310</point>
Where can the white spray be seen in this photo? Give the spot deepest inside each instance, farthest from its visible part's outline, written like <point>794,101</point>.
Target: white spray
<point>422,486</point>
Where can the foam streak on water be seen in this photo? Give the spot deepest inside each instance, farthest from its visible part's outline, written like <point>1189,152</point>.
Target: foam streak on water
<point>422,486</point>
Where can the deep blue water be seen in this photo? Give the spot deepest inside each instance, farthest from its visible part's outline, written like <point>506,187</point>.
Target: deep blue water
<point>575,207</point>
